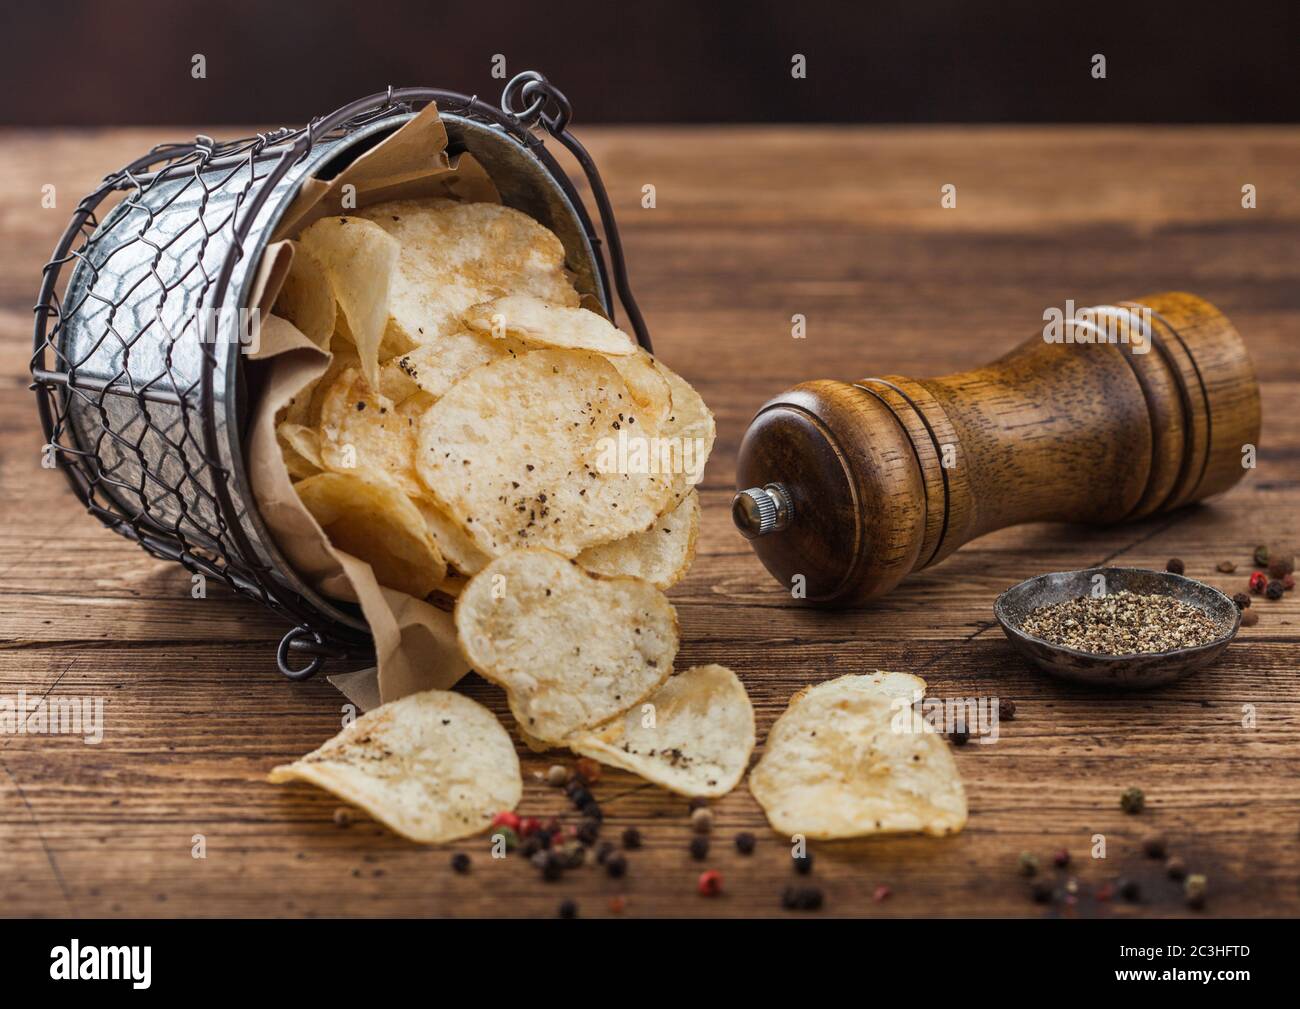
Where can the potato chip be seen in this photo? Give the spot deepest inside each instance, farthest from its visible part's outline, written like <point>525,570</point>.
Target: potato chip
<point>433,766</point>
<point>542,450</point>
<point>454,255</point>
<point>360,259</point>
<point>365,514</point>
<point>307,297</point>
<point>661,555</point>
<point>693,735</point>
<point>452,542</point>
<point>436,367</point>
<point>848,759</point>
<point>300,446</point>
<point>688,434</point>
<point>647,385</point>
<point>361,430</point>
<point>571,649</point>
<point>541,325</point>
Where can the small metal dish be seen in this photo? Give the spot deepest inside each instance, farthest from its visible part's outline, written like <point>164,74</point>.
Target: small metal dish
<point>1129,672</point>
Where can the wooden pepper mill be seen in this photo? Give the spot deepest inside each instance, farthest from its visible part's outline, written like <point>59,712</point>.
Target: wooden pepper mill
<point>853,485</point>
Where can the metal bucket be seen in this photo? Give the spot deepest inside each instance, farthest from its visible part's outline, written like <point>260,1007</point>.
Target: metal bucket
<point>138,365</point>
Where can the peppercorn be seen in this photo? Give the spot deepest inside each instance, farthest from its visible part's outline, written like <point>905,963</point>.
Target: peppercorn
<point>1175,566</point>
<point>1274,589</point>
<point>1242,600</point>
<point>589,831</point>
<point>702,820</point>
<point>592,810</point>
<point>745,842</point>
<point>506,819</point>
<point>631,838</point>
<point>1154,845</point>
<point>803,863</point>
<point>699,847</point>
<point>709,883</point>
<point>1105,892</point>
<point>1027,865</point>
<point>574,855</point>
<point>959,737</point>
<point>552,866</point>
<point>1227,567</point>
<point>1194,888</point>
<point>1249,618</point>
<point>460,863</point>
<point>539,859</point>
<point>1129,890</point>
<point>1175,868</point>
<point>1061,859</point>
<point>616,866</point>
<point>1041,891</point>
<point>508,838</point>
<point>343,817</point>
<point>880,893</point>
<point>529,826</point>
<point>588,769</point>
<point>801,898</point>
<point>557,775</point>
<point>1132,800</point>
<point>1261,555</point>
<point>617,904</point>
<point>568,909</point>
<point>1281,565</point>
<point>531,846</point>
<point>1258,582</point>
<point>1006,709</point>
<point>696,803</point>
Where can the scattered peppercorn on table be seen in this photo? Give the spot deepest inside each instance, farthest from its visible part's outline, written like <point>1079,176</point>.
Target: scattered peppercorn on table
<point>169,813</point>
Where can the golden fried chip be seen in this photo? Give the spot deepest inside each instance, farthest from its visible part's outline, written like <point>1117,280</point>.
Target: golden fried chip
<point>848,759</point>
<point>647,385</point>
<point>362,430</point>
<point>360,259</point>
<point>454,255</point>
<point>661,555</point>
<point>688,434</point>
<point>436,367</point>
<point>693,735</point>
<point>542,450</point>
<point>300,446</point>
<point>541,325</point>
<point>433,766</point>
<point>365,514</point>
<point>571,649</point>
<point>307,297</point>
<point>454,545</point>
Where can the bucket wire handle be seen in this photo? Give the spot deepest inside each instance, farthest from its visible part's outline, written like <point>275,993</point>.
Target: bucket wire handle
<point>546,104</point>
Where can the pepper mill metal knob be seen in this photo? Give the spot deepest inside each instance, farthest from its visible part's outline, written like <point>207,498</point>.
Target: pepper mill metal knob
<point>761,510</point>
<point>853,485</point>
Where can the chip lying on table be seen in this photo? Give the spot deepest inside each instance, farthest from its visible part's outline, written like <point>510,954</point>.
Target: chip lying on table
<point>483,441</point>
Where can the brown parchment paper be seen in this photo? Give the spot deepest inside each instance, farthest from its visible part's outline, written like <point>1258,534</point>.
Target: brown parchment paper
<point>415,643</point>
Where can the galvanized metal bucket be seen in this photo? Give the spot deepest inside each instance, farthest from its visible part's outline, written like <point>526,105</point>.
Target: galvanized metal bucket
<point>138,364</point>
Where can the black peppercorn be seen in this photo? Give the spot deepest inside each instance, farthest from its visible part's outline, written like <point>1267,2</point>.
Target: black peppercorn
<point>460,862</point>
<point>531,846</point>
<point>1242,600</point>
<point>745,842</point>
<point>1176,868</point>
<point>1006,709</point>
<point>1041,891</point>
<point>959,737</point>
<point>592,810</point>
<point>699,847</point>
<point>1129,890</point>
<point>616,865</point>
<point>552,866</point>
<point>568,909</point>
<point>801,898</point>
<point>1154,845</point>
<point>604,850</point>
<point>1175,566</point>
<point>589,831</point>
<point>1274,589</point>
<point>803,863</point>
<point>631,838</point>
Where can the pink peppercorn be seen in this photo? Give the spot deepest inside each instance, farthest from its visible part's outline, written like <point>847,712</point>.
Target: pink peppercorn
<point>710,883</point>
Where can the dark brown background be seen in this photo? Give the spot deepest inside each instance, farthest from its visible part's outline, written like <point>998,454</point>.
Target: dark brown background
<point>76,62</point>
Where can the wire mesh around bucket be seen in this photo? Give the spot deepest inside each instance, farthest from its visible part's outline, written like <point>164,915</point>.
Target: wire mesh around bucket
<point>138,364</point>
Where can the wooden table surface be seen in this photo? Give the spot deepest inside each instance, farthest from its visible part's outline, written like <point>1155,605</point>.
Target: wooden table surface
<point>751,227</point>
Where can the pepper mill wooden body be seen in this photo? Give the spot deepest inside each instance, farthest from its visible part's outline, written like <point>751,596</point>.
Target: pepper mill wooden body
<point>867,481</point>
